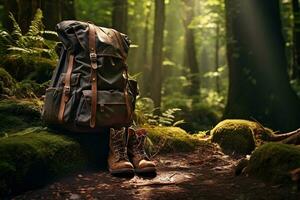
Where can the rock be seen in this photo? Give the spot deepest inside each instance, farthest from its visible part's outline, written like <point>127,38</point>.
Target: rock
<point>235,136</point>
<point>30,159</point>
<point>16,115</point>
<point>169,139</point>
<point>274,162</point>
<point>7,83</point>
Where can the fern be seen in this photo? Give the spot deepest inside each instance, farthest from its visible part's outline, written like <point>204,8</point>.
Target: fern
<point>30,44</point>
<point>17,32</point>
<point>144,114</point>
<point>37,26</point>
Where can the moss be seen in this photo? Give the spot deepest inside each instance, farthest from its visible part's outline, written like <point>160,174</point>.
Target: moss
<point>29,67</point>
<point>273,162</point>
<point>19,114</point>
<point>29,160</point>
<point>170,139</point>
<point>7,83</point>
<point>235,136</point>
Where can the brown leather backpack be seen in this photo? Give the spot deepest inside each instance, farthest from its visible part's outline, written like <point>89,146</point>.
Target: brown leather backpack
<point>90,88</point>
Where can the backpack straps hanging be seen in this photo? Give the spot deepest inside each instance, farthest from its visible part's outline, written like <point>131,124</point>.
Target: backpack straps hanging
<point>66,90</point>
<point>123,55</point>
<point>93,58</point>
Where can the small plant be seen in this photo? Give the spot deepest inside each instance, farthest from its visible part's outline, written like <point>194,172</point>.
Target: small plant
<point>32,43</point>
<point>144,114</point>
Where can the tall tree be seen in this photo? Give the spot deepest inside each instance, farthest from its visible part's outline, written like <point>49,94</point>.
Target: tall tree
<point>144,58</point>
<point>296,40</point>
<point>217,60</point>
<point>157,52</point>
<point>24,10</point>
<point>259,83</point>
<point>190,49</point>
<point>120,15</point>
<point>56,11</point>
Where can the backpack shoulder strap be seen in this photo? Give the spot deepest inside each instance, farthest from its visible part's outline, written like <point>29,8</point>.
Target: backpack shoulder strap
<point>66,90</point>
<point>93,58</point>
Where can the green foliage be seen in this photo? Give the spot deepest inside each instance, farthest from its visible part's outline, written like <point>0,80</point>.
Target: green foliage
<point>144,114</point>
<point>98,12</point>
<point>30,44</point>
<point>7,83</point>
<point>30,55</point>
<point>273,161</point>
<point>30,160</point>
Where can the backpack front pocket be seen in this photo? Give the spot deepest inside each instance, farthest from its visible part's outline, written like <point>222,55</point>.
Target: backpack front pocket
<point>111,109</point>
<point>51,105</point>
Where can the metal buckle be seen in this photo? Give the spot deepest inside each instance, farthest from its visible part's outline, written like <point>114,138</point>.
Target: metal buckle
<point>93,57</point>
<point>66,91</point>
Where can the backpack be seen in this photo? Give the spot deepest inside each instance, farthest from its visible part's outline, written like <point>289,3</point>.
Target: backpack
<point>90,88</point>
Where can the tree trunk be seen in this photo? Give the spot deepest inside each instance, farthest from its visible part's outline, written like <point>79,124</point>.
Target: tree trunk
<point>144,58</point>
<point>296,40</point>
<point>190,50</point>
<point>120,15</point>
<point>156,83</point>
<point>23,11</point>
<point>68,9</point>
<point>217,61</point>
<point>52,13</point>
<point>258,79</point>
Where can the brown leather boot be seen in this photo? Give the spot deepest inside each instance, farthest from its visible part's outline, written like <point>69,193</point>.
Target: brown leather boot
<point>117,158</point>
<point>136,152</point>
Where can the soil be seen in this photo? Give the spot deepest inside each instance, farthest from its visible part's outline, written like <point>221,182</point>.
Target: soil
<point>203,174</point>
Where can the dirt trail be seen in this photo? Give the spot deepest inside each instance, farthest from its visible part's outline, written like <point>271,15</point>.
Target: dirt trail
<point>204,174</point>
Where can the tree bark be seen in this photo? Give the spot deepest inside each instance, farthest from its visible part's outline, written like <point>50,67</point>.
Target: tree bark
<point>68,9</point>
<point>258,79</point>
<point>296,40</point>
<point>217,61</point>
<point>52,12</point>
<point>120,15</point>
<point>23,11</point>
<point>190,50</point>
<point>157,53</point>
<point>144,58</point>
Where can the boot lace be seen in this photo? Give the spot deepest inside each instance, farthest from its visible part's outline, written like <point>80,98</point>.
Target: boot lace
<point>138,143</point>
<point>118,143</point>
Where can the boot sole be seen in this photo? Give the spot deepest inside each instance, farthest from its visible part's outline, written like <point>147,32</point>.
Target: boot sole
<point>121,171</point>
<point>146,170</point>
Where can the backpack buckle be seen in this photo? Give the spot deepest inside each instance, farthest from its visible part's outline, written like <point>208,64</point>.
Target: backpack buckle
<point>66,92</point>
<point>93,57</point>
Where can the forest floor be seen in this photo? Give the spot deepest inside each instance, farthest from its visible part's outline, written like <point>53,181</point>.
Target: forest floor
<point>203,174</point>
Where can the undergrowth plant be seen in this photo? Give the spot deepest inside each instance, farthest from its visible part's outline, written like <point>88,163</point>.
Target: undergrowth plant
<point>32,43</point>
<point>144,114</point>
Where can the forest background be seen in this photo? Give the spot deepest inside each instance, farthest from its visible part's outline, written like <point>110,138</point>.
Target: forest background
<point>192,72</point>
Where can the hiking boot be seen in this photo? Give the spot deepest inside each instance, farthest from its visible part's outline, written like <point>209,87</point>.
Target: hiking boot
<point>118,162</point>
<point>137,154</point>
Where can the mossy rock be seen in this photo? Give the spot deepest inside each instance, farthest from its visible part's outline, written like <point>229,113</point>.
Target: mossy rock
<point>30,159</point>
<point>235,136</point>
<point>272,162</point>
<point>170,139</point>
<point>7,82</point>
<point>30,68</point>
<point>17,115</point>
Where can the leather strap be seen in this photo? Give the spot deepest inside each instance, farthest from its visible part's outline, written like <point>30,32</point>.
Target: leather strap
<point>66,90</point>
<point>93,58</point>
